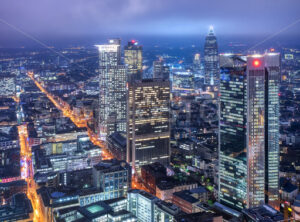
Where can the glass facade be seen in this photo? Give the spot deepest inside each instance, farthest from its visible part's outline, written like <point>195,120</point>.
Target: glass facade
<point>232,134</point>
<point>113,178</point>
<point>256,132</point>
<point>211,59</point>
<point>249,130</point>
<point>141,204</point>
<point>112,98</point>
<point>134,60</point>
<point>263,129</point>
<point>272,123</point>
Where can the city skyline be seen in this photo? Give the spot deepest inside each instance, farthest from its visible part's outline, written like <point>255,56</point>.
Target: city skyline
<point>96,19</point>
<point>149,110</point>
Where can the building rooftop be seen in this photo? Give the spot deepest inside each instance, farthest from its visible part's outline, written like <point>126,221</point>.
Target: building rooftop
<point>19,208</point>
<point>170,182</point>
<point>186,195</point>
<point>168,207</point>
<point>95,210</point>
<point>197,217</point>
<point>119,139</point>
<point>144,193</point>
<point>111,165</point>
<point>220,208</point>
<point>156,169</point>
<point>263,213</point>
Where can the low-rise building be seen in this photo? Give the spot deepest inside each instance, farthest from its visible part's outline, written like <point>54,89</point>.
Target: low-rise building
<point>166,187</point>
<point>18,209</point>
<point>113,177</point>
<point>101,211</point>
<point>164,211</point>
<point>188,200</point>
<point>148,208</point>
<point>296,208</point>
<point>200,216</point>
<point>262,213</point>
<point>152,174</point>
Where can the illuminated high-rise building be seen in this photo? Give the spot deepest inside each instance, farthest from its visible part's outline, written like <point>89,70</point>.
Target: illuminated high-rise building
<point>197,61</point>
<point>133,58</point>
<point>249,130</point>
<point>112,99</point>
<point>160,70</point>
<point>110,54</point>
<point>263,76</point>
<point>232,131</point>
<point>148,130</point>
<point>211,59</point>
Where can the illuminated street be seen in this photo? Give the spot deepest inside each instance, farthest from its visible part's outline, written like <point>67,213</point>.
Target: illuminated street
<point>27,173</point>
<point>78,121</point>
<point>65,108</point>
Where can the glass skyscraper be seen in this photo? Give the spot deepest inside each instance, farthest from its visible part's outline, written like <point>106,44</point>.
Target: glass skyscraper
<point>232,131</point>
<point>211,59</point>
<point>161,70</point>
<point>133,58</point>
<point>112,98</point>
<point>249,130</point>
<point>263,75</point>
<point>148,132</point>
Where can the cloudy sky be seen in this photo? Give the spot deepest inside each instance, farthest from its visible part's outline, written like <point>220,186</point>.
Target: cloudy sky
<point>80,18</point>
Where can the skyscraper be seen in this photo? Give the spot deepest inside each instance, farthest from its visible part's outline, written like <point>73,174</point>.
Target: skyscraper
<point>197,62</point>
<point>211,59</point>
<point>232,131</point>
<point>133,58</point>
<point>160,70</point>
<point>249,130</point>
<point>112,99</point>
<point>148,130</point>
<point>263,75</point>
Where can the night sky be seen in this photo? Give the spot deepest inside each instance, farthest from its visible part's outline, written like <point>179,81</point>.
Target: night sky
<point>57,19</point>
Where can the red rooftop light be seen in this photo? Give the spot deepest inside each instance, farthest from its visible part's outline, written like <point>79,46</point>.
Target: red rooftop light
<point>256,62</point>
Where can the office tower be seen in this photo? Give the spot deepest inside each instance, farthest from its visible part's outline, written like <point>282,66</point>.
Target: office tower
<point>232,131</point>
<point>148,130</point>
<point>263,76</point>
<point>211,59</point>
<point>112,99</point>
<point>113,177</point>
<point>249,130</point>
<point>110,54</point>
<point>197,62</point>
<point>133,58</point>
<point>160,70</point>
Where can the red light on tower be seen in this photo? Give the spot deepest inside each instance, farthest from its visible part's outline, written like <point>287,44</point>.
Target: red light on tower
<point>256,62</point>
<point>133,41</point>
